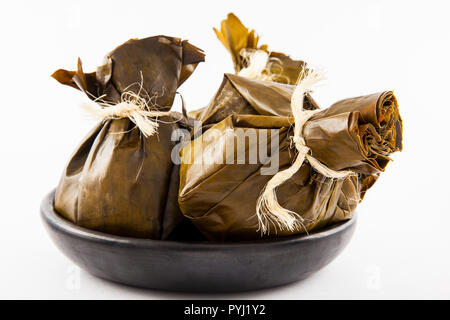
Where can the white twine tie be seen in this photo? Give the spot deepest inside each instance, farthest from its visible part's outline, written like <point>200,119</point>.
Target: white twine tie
<point>132,106</point>
<point>268,210</point>
<point>259,65</point>
<point>257,61</point>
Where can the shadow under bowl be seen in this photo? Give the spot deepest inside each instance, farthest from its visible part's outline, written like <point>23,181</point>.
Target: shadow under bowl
<point>196,266</point>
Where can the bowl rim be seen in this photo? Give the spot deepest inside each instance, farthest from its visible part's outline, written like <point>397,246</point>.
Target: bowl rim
<point>53,218</point>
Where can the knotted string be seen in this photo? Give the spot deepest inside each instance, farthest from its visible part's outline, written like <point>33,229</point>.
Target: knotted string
<point>268,210</point>
<point>132,106</point>
<point>259,65</point>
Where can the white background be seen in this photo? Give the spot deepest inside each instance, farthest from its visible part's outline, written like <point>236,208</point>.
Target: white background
<point>402,244</point>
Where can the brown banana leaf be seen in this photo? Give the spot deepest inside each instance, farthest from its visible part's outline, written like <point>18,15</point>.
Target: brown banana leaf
<point>195,114</point>
<point>369,129</point>
<point>237,39</point>
<point>118,181</point>
<point>152,67</point>
<point>239,95</point>
<point>220,198</point>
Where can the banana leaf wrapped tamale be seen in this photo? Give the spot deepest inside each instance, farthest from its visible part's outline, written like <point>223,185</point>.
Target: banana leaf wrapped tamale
<point>121,179</point>
<point>223,198</point>
<point>370,141</point>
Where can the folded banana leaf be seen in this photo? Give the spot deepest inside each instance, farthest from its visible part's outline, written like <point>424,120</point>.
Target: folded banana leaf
<point>220,196</point>
<point>152,67</point>
<point>365,131</point>
<point>240,42</point>
<point>280,68</point>
<point>118,180</point>
<point>239,95</point>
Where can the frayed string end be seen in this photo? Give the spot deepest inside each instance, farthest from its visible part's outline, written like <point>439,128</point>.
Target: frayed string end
<point>268,211</point>
<point>259,65</point>
<point>132,106</point>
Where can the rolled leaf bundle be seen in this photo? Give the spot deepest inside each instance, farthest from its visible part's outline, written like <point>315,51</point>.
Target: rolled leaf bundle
<point>369,129</point>
<point>121,179</point>
<point>223,198</point>
<point>256,61</point>
<point>372,123</point>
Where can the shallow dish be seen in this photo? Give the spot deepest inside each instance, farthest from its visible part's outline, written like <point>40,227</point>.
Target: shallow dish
<point>196,266</point>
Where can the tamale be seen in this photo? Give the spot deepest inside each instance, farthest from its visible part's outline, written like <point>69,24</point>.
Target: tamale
<point>220,197</point>
<point>120,180</point>
<point>362,143</point>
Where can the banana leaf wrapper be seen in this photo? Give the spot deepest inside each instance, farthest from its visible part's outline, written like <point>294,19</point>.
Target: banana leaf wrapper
<point>122,183</point>
<point>152,67</point>
<point>238,39</point>
<point>243,96</point>
<point>358,134</point>
<point>220,198</point>
<point>118,181</point>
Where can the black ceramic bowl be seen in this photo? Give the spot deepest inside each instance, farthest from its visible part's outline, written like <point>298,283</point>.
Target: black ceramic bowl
<point>195,266</point>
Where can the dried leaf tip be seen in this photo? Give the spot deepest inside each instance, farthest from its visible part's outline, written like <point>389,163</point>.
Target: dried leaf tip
<point>242,43</point>
<point>236,37</point>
